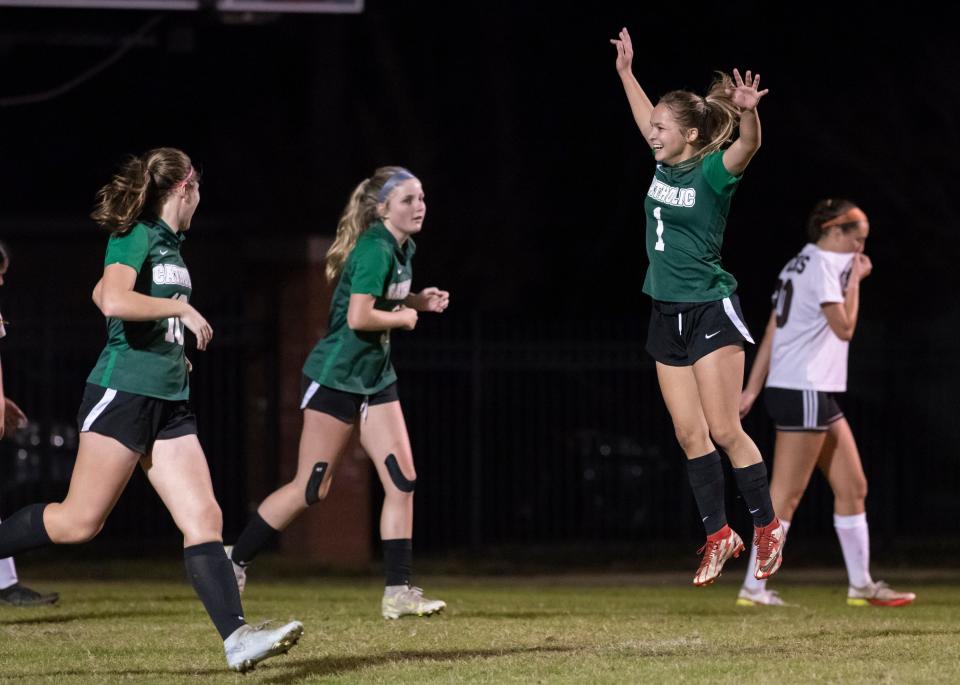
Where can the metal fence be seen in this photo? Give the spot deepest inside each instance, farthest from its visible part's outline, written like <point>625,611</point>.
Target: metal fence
<point>524,432</point>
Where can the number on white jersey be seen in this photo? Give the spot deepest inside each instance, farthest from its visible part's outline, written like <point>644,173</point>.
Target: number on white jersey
<point>784,298</point>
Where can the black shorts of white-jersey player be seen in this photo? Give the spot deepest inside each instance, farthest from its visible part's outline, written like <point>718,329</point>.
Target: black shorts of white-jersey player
<point>803,359</point>
<point>702,146</point>
<point>350,383</point>
<point>135,408</point>
<point>795,410</point>
<point>12,418</point>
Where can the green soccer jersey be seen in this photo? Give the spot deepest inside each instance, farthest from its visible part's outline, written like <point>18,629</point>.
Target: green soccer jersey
<point>146,357</point>
<point>359,361</point>
<point>686,208</point>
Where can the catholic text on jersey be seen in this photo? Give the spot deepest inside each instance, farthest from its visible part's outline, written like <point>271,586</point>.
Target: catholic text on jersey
<point>669,195</point>
<point>398,291</point>
<point>171,274</point>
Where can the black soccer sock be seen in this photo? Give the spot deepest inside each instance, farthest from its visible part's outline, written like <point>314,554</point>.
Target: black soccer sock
<point>257,535</point>
<point>24,531</point>
<point>398,561</point>
<point>706,479</point>
<point>753,484</point>
<point>212,577</point>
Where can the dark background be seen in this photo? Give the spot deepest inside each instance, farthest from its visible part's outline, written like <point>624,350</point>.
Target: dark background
<point>532,408</point>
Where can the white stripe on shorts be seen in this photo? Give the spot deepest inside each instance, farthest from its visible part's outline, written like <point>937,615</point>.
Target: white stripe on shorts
<point>308,395</point>
<point>810,408</point>
<point>732,314</point>
<point>98,409</point>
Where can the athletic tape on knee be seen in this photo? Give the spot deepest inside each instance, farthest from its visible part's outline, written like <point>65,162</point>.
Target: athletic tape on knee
<point>316,480</point>
<point>396,475</point>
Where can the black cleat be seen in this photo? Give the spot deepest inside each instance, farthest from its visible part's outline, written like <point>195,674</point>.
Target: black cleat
<point>21,596</point>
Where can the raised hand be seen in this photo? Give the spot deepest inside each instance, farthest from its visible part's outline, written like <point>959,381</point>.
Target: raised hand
<point>624,50</point>
<point>746,94</point>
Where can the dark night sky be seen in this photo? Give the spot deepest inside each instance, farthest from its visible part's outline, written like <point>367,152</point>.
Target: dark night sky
<point>515,119</point>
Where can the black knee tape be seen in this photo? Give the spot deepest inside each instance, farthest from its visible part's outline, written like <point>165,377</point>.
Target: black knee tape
<point>316,480</point>
<point>396,475</point>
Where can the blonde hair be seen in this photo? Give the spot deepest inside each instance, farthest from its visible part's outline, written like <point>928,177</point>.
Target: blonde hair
<point>358,215</point>
<point>715,116</point>
<point>141,185</point>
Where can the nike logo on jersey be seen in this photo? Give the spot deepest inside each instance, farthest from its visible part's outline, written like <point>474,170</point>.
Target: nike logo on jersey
<point>163,252</point>
<point>705,518</point>
<point>710,335</point>
<point>754,511</point>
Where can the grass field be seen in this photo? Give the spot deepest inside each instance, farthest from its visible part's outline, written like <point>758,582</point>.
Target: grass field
<point>567,629</point>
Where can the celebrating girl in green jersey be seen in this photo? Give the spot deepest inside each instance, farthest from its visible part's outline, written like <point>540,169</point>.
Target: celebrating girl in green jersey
<point>696,332</point>
<point>135,409</point>
<point>349,378</point>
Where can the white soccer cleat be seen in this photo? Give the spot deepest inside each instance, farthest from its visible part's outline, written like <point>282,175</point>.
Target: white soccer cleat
<point>239,572</point>
<point>718,548</point>
<point>759,597</point>
<point>247,646</point>
<point>406,600</point>
<point>878,594</point>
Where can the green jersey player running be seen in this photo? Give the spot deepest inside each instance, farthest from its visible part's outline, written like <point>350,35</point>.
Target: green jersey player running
<point>135,410</point>
<point>349,379</point>
<point>696,332</point>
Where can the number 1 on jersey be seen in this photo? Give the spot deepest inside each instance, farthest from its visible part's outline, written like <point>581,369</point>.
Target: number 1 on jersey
<point>656,215</point>
<point>174,332</point>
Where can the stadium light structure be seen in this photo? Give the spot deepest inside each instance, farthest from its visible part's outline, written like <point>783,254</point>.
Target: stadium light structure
<point>281,6</point>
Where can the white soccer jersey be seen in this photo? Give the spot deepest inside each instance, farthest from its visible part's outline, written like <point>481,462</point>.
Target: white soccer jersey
<point>807,354</point>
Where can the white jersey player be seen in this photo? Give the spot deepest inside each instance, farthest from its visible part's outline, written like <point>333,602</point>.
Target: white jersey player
<point>803,358</point>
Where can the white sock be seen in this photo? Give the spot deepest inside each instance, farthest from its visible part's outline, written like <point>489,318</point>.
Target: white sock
<point>8,573</point>
<point>855,542</point>
<point>750,581</point>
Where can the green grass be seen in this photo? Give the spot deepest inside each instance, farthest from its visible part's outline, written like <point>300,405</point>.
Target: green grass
<point>536,629</point>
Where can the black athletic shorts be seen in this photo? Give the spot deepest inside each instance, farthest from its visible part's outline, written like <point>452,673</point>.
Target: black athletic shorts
<point>680,333</point>
<point>801,410</point>
<point>341,404</point>
<point>135,421</point>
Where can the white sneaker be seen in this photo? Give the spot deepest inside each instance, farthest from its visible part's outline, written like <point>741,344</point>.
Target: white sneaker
<point>759,597</point>
<point>406,600</point>
<point>239,572</point>
<point>248,645</point>
<point>879,594</point>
